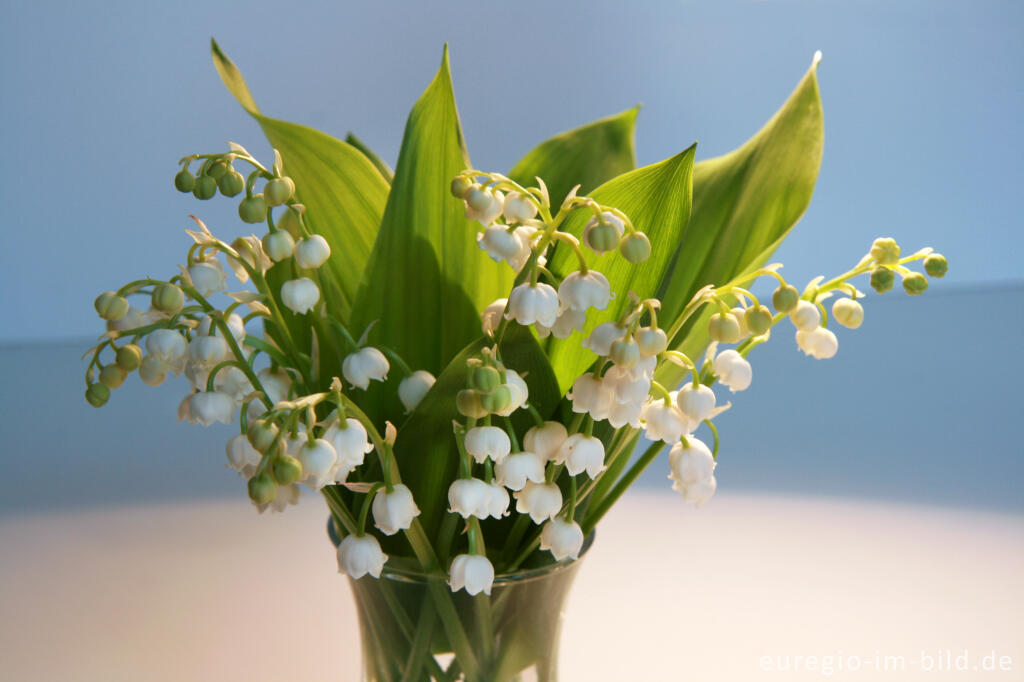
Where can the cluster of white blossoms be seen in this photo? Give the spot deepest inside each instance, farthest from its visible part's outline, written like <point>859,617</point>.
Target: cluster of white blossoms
<point>296,432</point>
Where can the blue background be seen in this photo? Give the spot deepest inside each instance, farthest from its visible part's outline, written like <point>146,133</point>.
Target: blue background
<point>922,103</point>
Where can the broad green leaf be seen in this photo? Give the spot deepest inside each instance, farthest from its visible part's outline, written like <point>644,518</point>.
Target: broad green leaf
<point>380,164</point>
<point>342,189</point>
<point>425,449</point>
<point>744,204</point>
<point>657,200</point>
<point>427,280</point>
<point>587,156</point>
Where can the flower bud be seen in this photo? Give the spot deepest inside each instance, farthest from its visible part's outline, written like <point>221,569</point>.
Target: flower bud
<point>935,265</point>
<point>805,316</point>
<point>483,205</point>
<point>97,395</point>
<point>915,283</point>
<point>300,295</point>
<point>112,376</point>
<point>278,191</point>
<point>497,400</point>
<point>205,187</point>
<point>167,298</point>
<point>231,183</point>
<point>111,306</point>
<point>262,488</point>
<point>261,434</point>
<point>848,312</point>
<point>635,247</point>
<point>413,388</point>
<point>651,341</point>
<point>484,379</point>
<point>469,404</point>
<point>625,352</point>
<point>758,319</point>
<point>602,233</point>
<point>152,371</point>
<point>184,181</point>
<point>460,185</point>
<point>253,209</point>
<point>278,245</point>
<point>217,169</point>
<point>724,328</point>
<point>885,250</point>
<point>129,357</point>
<point>785,298</point>
<point>313,252</point>
<point>882,279</point>
<point>287,470</point>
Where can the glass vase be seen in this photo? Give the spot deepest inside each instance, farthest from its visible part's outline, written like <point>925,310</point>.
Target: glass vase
<point>413,627</point>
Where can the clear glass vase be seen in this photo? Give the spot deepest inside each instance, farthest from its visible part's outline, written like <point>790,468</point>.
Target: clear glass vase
<point>413,627</point>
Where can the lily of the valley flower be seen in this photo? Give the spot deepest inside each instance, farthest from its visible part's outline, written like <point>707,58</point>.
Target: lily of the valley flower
<point>209,407</point>
<point>487,441</point>
<point>300,295</point>
<point>582,290</point>
<point>602,234</point>
<point>471,572</point>
<point>152,371</point>
<point>733,370</point>
<point>286,495</point>
<point>518,209</point>
<point>564,539</point>
<point>582,453</point>
<point>500,243</point>
<point>169,348</point>
<point>519,468</point>
<point>242,456</point>
<point>692,470</point>
<point>312,252</point>
<point>628,385</point>
<point>207,276</point>
<point>620,414</point>
<point>491,317</point>
<point>497,500</point>
<point>533,303</point>
<point>540,500</point>
<point>697,403</point>
<point>469,497</point>
<point>664,422</point>
<point>819,342</point>
<point>805,316</point>
<point>234,321</point>
<point>318,459</point>
<point>351,445</point>
<point>414,387</point>
<point>848,312</point>
<point>394,511</point>
<point>545,440</point>
<point>483,204</point>
<point>568,321</point>
<point>519,391</point>
<point>233,381</point>
<point>590,395</point>
<point>365,364</point>
<point>602,337</point>
<point>360,555</point>
<point>276,384</point>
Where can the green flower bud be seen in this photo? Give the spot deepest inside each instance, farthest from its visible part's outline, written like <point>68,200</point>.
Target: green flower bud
<point>469,404</point>
<point>231,183</point>
<point>635,247</point>
<point>204,188</point>
<point>184,181</point>
<point>262,488</point>
<point>651,341</point>
<point>261,434</point>
<point>915,283</point>
<point>885,250</point>
<point>484,379</point>
<point>935,265</point>
<point>724,328</point>
<point>278,191</point>
<point>168,298</point>
<point>785,298</point>
<point>97,395</point>
<point>759,319</point>
<point>110,306</point>
<point>496,400</point>
<point>602,237</point>
<point>287,469</point>
<point>129,357</point>
<point>882,279</point>
<point>289,222</point>
<point>112,376</point>
<point>848,312</point>
<point>253,209</point>
<point>278,245</point>
<point>217,169</point>
<point>460,185</point>
<point>625,353</point>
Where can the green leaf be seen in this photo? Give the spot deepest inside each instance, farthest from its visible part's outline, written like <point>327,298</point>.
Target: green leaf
<point>587,156</point>
<point>425,448</point>
<point>657,200</point>
<point>383,167</point>
<point>744,204</point>
<point>427,281</point>
<point>342,189</point>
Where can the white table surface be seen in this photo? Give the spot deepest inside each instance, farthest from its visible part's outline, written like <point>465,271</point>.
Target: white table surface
<point>185,592</point>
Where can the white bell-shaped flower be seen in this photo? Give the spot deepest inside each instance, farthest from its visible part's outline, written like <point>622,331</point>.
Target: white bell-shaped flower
<point>819,342</point>
<point>491,317</point>
<point>233,381</point>
<point>234,321</point>
<point>277,385</point>
<point>312,252</point>
<point>205,353</point>
<point>545,440</point>
<point>497,500</point>
<point>501,243</point>
<point>528,304</point>
<point>602,337</point>
<point>692,468</point>
<point>242,456</point>
<point>524,234</point>
<point>487,441</point>
<point>351,444</point>
<point>365,364</point>
<point>519,391</point>
<point>152,371</point>
<point>394,511</point>
<point>592,229</point>
<point>564,539</point>
<point>620,414</point>
<point>628,385</point>
<point>518,209</point>
<point>590,395</point>
<point>733,370</point>
<point>287,495</point>
<point>483,204</point>
<point>541,501</point>
<point>169,348</point>
<point>133,319</point>
<point>300,295</point>
<point>360,555</point>
<point>582,453</point>
<point>469,497</point>
<point>414,387</point>
<point>518,468</point>
<point>848,312</point>
<point>209,407</point>
<point>318,459</point>
<point>805,316</point>
<point>582,290</point>
<point>207,276</point>
<point>700,492</point>
<point>471,572</point>
<point>568,321</point>
<point>697,403</point>
<point>664,421</point>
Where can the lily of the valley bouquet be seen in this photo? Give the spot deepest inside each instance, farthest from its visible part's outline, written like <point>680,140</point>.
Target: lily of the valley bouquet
<point>462,362</point>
